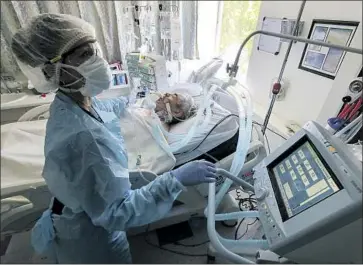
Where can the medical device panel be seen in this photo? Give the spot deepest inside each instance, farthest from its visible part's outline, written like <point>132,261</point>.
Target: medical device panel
<point>309,194</point>
<point>147,72</point>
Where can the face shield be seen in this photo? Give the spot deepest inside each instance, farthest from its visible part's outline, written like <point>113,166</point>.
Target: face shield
<point>41,46</point>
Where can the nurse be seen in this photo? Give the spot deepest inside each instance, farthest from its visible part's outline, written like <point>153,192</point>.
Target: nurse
<point>85,159</point>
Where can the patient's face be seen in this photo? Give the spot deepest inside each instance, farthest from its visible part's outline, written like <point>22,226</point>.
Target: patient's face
<point>174,102</point>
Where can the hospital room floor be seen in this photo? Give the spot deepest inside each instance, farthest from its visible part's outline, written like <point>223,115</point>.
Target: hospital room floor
<point>19,250</point>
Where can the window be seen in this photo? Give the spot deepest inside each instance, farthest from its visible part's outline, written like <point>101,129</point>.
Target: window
<point>238,19</point>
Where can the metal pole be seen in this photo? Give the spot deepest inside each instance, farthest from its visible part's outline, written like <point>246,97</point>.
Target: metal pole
<point>274,95</point>
<point>298,39</point>
<point>232,70</point>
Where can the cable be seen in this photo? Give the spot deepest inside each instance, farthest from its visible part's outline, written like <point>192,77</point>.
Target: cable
<point>247,228</point>
<point>215,126</point>
<point>237,228</point>
<point>169,250</point>
<point>268,144</point>
<point>267,141</point>
<point>252,207</point>
<point>255,122</point>
<point>211,157</point>
<point>191,246</point>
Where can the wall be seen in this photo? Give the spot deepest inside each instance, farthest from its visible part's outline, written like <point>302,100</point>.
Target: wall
<point>309,96</point>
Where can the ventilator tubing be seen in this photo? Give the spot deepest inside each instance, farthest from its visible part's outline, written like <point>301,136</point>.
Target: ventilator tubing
<point>245,128</point>
<point>219,243</point>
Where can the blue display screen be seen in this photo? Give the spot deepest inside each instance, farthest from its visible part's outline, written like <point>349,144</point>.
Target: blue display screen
<point>303,179</point>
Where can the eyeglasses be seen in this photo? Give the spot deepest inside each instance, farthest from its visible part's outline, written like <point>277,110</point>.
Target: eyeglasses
<point>80,54</point>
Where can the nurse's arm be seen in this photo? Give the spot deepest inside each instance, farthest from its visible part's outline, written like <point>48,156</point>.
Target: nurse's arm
<point>116,105</point>
<point>110,203</point>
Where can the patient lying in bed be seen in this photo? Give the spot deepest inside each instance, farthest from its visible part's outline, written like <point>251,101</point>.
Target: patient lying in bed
<point>171,108</point>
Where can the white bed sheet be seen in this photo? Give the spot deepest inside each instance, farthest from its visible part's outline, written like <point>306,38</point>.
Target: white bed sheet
<point>22,153</point>
<point>22,150</point>
<point>222,105</point>
<point>22,146</point>
<point>223,132</point>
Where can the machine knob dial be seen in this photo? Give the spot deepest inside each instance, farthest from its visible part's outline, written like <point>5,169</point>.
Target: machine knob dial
<point>261,194</point>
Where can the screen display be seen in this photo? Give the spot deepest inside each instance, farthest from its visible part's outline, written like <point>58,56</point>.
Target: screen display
<point>303,179</point>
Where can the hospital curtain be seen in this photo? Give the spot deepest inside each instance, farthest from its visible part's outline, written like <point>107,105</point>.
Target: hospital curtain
<point>105,16</point>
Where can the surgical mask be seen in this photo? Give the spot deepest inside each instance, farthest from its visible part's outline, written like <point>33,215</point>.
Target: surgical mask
<point>97,74</point>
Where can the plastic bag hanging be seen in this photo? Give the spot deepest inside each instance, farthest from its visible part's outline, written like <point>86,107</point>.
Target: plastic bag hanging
<point>175,35</point>
<point>128,22</point>
<point>147,27</point>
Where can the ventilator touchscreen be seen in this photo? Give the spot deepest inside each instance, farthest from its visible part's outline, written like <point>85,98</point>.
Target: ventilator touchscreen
<point>302,178</point>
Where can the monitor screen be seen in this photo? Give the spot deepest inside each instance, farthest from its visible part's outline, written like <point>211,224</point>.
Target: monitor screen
<point>302,179</point>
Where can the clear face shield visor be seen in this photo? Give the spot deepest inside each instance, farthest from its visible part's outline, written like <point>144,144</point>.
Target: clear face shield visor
<point>48,77</point>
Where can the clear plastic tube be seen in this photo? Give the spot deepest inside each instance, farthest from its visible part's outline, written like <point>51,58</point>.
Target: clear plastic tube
<point>214,236</point>
<point>245,119</point>
<point>240,156</point>
<point>229,247</point>
<point>350,125</point>
<point>236,215</point>
<point>256,243</point>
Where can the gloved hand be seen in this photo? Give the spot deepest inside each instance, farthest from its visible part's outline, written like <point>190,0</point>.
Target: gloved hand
<point>195,172</point>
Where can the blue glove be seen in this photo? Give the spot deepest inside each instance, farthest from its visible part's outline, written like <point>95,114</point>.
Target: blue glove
<point>195,172</point>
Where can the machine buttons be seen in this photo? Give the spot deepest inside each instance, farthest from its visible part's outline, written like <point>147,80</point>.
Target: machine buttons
<point>331,149</point>
<point>344,169</point>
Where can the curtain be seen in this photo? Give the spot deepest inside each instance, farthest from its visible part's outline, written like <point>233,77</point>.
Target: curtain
<point>106,17</point>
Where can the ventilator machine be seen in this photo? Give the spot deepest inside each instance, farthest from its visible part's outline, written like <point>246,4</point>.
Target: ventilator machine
<point>309,197</point>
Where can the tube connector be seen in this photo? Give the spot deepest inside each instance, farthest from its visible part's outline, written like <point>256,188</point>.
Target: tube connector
<point>232,70</point>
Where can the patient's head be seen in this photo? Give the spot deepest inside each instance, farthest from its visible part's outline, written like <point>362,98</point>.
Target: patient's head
<point>172,108</point>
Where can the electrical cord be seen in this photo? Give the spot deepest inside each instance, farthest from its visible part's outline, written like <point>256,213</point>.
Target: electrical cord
<point>222,120</point>
<point>211,130</point>
<point>252,207</point>
<point>247,228</point>
<point>268,144</point>
<point>267,141</point>
<point>278,134</point>
<point>237,228</point>
<point>191,246</point>
<point>210,156</point>
<point>169,250</point>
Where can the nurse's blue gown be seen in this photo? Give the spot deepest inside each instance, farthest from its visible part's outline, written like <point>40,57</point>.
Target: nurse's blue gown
<point>86,169</point>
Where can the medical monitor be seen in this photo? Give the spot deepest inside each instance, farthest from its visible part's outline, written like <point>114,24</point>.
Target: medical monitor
<point>301,178</point>
<point>309,197</point>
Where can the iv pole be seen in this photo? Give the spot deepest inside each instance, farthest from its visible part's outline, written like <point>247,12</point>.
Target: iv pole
<point>232,70</point>
<point>278,85</point>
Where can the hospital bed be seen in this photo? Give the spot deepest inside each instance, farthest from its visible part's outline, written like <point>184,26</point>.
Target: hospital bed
<point>24,195</point>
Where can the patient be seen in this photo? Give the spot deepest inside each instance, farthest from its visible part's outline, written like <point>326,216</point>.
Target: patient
<point>173,108</point>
